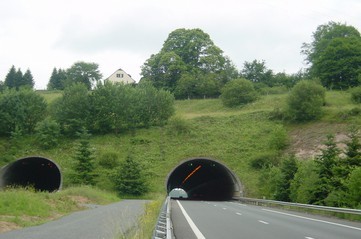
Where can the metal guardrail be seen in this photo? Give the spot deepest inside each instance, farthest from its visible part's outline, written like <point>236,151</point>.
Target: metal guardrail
<point>163,228</point>
<point>299,205</point>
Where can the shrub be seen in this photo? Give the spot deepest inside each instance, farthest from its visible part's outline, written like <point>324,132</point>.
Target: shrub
<point>305,101</point>
<point>20,111</point>
<point>109,160</point>
<point>264,160</point>
<point>47,133</point>
<point>178,126</point>
<point>356,94</point>
<point>238,92</point>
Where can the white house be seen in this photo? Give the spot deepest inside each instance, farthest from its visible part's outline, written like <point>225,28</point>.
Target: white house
<point>120,76</point>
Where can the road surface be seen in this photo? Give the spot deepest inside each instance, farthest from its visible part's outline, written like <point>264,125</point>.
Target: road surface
<point>230,220</point>
<point>101,222</point>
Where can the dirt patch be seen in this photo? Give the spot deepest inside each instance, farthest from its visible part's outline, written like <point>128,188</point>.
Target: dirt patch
<point>307,141</point>
<point>80,200</point>
<point>7,226</point>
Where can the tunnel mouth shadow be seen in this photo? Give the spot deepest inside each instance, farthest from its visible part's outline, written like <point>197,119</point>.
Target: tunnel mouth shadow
<point>36,172</point>
<point>204,179</point>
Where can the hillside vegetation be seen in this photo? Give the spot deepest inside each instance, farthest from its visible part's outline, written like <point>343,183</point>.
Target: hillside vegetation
<point>205,128</point>
<point>238,137</point>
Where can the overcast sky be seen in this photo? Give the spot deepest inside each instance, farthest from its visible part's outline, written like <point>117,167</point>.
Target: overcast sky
<point>42,34</point>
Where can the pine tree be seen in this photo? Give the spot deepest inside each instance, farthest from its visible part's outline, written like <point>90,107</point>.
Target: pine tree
<point>130,180</point>
<point>28,79</point>
<point>10,79</point>
<point>84,157</point>
<point>288,170</point>
<point>353,150</point>
<point>326,165</point>
<point>57,80</point>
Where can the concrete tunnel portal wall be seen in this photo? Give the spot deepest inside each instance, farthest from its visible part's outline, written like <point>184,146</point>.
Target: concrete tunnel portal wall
<point>205,179</point>
<point>41,173</point>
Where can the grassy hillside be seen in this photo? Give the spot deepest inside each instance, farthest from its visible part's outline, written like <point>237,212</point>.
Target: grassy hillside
<point>200,128</point>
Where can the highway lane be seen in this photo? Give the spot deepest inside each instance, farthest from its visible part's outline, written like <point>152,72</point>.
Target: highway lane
<point>233,220</point>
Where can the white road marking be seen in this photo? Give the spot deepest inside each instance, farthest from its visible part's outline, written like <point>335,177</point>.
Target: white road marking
<point>238,213</point>
<point>263,222</point>
<point>224,208</point>
<point>309,238</point>
<point>315,220</point>
<point>195,229</point>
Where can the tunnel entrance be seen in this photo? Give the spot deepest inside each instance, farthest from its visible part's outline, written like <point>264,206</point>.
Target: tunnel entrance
<point>38,172</point>
<point>204,179</point>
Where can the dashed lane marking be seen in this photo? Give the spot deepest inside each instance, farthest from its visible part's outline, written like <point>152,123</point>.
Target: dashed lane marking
<point>312,219</point>
<point>263,222</point>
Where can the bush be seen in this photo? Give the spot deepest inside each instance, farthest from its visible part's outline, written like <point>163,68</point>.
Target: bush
<point>178,126</point>
<point>305,101</point>
<point>238,92</point>
<point>356,94</point>
<point>109,160</point>
<point>72,110</point>
<point>47,133</point>
<point>279,138</point>
<point>265,160</point>
<point>20,111</point>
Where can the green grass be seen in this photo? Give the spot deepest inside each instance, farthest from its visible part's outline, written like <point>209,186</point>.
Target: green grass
<point>25,207</point>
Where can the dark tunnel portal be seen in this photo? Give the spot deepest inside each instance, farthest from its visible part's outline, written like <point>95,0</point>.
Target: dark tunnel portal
<point>38,172</point>
<point>204,179</point>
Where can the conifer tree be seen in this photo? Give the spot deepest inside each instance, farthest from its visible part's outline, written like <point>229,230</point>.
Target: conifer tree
<point>84,156</point>
<point>326,164</point>
<point>130,180</point>
<point>28,79</point>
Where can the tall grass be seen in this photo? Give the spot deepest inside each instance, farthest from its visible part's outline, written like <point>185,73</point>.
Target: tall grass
<point>26,207</point>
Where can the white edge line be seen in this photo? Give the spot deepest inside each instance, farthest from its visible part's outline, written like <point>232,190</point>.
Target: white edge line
<point>312,219</point>
<point>195,229</point>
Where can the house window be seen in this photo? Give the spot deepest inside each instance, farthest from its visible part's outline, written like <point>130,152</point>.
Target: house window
<point>120,75</point>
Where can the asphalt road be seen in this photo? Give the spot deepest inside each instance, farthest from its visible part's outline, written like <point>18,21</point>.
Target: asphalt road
<point>229,220</point>
<point>101,222</point>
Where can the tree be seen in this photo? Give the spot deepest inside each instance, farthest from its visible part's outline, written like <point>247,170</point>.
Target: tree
<point>238,92</point>
<point>288,170</point>
<point>187,51</point>
<point>305,101</point>
<point>47,133</point>
<point>257,72</point>
<point>83,72</point>
<point>326,163</point>
<point>28,79</point>
<point>57,80</point>
<point>334,55</point>
<point>117,107</point>
<point>10,78</point>
<point>353,149</point>
<point>353,184</point>
<point>20,110</point>
<point>130,180</point>
<point>339,64</point>
<point>84,166</point>
<point>72,110</point>
<point>16,79</point>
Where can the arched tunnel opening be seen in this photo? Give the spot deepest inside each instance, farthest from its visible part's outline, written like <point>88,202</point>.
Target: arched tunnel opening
<point>204,179</point>
<point>40,173</point>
